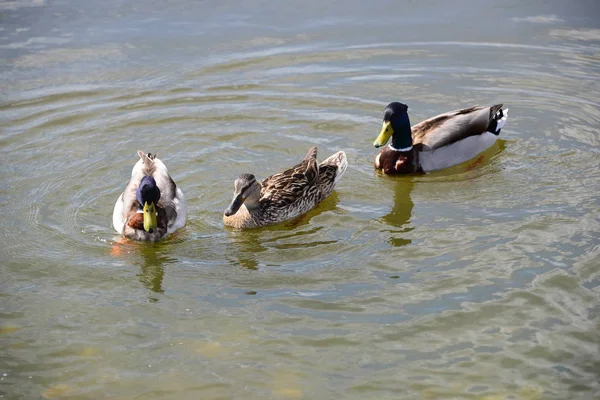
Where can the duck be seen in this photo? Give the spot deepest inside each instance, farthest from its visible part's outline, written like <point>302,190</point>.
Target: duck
<point>285,195</point>
<point>440,142</point>
<point>151,206</point>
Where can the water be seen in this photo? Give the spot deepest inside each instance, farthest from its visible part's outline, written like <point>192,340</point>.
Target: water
<point>479,282</point>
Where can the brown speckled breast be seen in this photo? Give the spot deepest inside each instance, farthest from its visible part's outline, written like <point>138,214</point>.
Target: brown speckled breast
<point>241,219</point>
<point>137,220</point>
<point>396,162</point>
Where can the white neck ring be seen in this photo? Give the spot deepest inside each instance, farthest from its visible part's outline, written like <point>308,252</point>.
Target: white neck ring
<point>404,149</point>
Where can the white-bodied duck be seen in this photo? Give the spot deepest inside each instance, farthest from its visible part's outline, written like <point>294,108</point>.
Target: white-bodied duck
<point>436,143</point>
<point>152,206</point>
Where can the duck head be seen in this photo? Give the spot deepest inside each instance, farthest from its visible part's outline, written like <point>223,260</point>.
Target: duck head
<point>245,191</point>
<point>396,125</point>
<point>147,196</point>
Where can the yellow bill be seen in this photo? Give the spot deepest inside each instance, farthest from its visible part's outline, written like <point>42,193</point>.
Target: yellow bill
<point>385,134</point>
<point>150,222</point>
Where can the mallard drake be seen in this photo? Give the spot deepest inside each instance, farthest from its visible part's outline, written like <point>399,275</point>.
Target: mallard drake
<point>152,206</point>
<point>285,195</point>
<point>436,143</point>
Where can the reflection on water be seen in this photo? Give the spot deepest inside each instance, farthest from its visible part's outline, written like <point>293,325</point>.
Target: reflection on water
<point>152,269</point>
<point>151,258</point>
<point>402,205</point>
<point>245,245</point>
<point>296,233</point>
<point>400,213</point>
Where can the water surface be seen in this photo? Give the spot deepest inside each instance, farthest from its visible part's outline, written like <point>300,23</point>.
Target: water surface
<point>478,282</point>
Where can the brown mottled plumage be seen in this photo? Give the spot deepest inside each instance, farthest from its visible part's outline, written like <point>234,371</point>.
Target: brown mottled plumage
<point>285,195</point>
<point>436,143</point>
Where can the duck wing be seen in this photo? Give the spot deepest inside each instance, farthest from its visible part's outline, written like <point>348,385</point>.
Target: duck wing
<point>453,126</point>
<point>287,187</point>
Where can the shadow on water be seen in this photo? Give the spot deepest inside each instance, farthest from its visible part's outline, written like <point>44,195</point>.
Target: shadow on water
<point>399,215</point>
<point>248,243</point>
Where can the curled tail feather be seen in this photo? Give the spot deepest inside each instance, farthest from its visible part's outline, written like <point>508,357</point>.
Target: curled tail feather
<point>498,118</point>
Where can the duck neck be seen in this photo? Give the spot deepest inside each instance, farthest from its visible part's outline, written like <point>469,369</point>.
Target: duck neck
<point>402,138</point>
<point>252,205</point>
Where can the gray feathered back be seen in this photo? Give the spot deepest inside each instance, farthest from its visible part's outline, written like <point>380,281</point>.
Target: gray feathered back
<point>452,126</point>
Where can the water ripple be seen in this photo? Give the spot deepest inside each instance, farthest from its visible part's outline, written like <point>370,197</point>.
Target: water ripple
<point>479,281</point>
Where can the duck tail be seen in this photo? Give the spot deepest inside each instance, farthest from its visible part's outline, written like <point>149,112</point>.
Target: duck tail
<point>339,161</point>
<point>498,117</point>
<point>312,153</point>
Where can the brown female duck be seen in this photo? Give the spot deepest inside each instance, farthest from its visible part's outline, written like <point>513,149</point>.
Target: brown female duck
<point>436,143</point>
<point>285,195</point>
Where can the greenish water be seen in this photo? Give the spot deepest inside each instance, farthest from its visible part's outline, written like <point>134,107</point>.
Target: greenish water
<point>477,284</point>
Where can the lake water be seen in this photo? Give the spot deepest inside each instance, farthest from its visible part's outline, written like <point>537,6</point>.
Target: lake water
<point>482,282</point>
